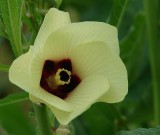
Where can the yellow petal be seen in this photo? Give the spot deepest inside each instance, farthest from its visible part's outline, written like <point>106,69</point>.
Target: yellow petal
<point>97,58</point>
<point>19,73</point>
<point>42,96</point>
<point>53,20</point>
<point>59,44</point>
<point>61,106</point>
<point>84,32</point>
<point>54,49</point>
<point>80,99</point>
<point>36,67</point>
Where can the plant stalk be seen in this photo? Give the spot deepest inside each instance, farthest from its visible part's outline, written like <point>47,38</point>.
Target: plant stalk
<point>43,123</point>
<point>151,10</point>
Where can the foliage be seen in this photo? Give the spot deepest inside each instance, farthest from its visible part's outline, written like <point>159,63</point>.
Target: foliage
<point>19,23</point>
<point>142,131</point>
<point>13,26</point>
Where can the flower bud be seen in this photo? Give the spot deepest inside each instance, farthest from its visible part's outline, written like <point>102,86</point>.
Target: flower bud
<point>63,130</point>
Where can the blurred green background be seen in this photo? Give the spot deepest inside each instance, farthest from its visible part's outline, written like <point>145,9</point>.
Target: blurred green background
<point>101,119</point>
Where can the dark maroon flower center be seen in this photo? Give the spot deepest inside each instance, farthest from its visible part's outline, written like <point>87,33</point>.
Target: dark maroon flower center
<point>58,78</point>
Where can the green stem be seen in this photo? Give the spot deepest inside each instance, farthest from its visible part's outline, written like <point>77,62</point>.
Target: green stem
<point>151,22</point>
<point>44,127</point>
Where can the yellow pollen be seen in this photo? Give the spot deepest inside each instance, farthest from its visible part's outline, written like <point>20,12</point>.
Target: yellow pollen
<point>57,78</point>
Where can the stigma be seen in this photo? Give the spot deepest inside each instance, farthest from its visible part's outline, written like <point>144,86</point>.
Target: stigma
<point>62,77</point>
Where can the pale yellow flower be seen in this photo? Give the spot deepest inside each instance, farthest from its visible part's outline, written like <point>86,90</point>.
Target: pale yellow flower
<point>71,66</point>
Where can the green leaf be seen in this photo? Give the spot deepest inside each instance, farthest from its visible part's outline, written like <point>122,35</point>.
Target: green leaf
<point>4,67</point>
<point>58,3</point>
<point>14,120</point>
<point>11,14</point>
<point>14,98</point>
<point>2,29</point>
<point>142,131</point>
<point>117,13</point>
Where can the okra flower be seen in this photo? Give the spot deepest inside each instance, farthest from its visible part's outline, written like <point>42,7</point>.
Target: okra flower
<point>71,66</point>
